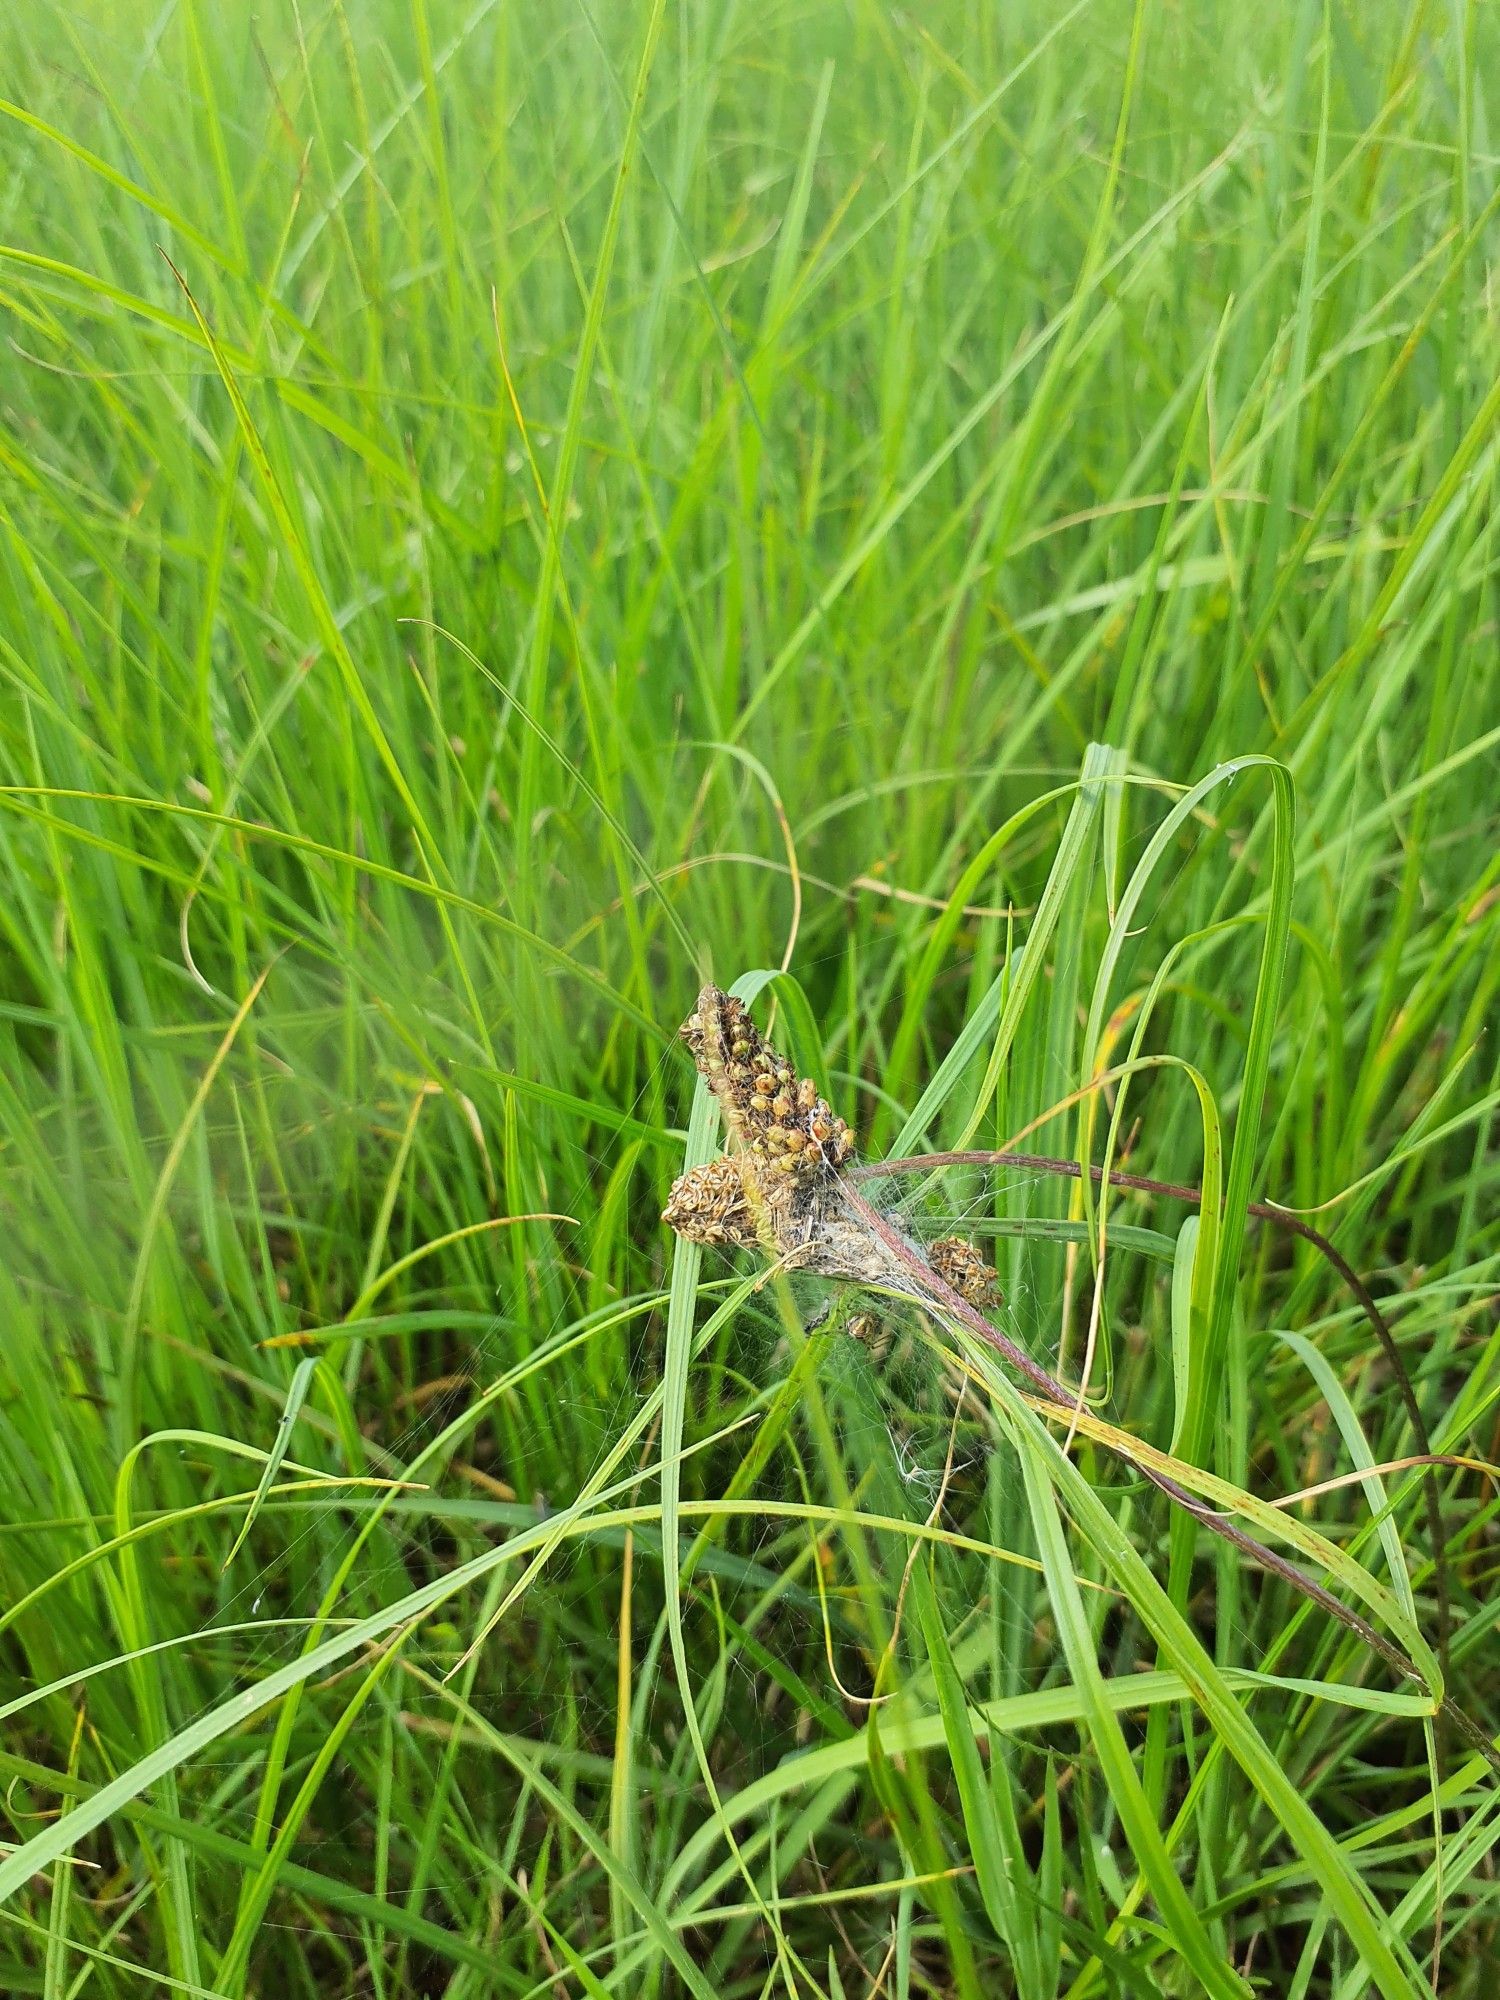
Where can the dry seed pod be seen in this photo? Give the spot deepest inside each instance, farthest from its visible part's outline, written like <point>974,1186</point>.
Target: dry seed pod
<point>758,1090</point>
<point>960,1265</point>
<point>709,1205</point>
<point>779,1187</point>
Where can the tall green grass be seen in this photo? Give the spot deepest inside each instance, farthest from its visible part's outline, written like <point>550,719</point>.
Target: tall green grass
<point>978,524</point>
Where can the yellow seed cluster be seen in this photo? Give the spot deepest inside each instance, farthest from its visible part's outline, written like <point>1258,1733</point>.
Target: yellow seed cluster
<point>768,1110</point>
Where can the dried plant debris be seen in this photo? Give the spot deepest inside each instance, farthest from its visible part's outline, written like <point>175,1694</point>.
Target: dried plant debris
<point>779,1188</point>
<point>772,1118</point>
<point>960,1265</point>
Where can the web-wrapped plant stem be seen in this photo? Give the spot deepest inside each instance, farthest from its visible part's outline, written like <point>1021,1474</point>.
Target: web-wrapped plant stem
<point>786,1187</point>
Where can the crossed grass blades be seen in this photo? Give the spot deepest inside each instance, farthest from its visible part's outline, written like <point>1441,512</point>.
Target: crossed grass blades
<point>786,1188</point>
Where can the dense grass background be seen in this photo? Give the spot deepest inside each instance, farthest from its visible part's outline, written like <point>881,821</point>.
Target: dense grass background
<point>815,425</point>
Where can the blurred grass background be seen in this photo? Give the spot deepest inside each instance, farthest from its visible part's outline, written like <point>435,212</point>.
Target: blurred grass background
<point>502,511</point>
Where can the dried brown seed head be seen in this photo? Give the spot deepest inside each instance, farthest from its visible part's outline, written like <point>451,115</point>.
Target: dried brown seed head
<point>769,1115</point>
<point>708,1204</point>
<point>960,1265</point>
<point>778,1188</point>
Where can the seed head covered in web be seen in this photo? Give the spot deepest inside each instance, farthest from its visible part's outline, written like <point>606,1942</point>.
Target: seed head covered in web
<point>960,1265</point>
<point>771,1117</point>
<point>709,1205</point>
<point>780,1187</point>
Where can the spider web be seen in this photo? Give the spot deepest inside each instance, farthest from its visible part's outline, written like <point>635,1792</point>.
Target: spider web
<point>917,1386</point>
<point>985,1207</point>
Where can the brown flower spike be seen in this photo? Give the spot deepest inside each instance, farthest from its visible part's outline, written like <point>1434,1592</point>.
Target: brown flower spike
<point>779,1187</point>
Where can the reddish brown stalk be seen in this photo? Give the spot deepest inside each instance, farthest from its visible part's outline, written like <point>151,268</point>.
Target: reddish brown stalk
<point>786,1187</point>
<point>1264,1211</point>
<point>1267,1559</point>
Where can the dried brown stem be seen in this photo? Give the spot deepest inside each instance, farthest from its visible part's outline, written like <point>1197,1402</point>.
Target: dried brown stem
<point>787,1187</point>
<point>1264,1211</point>
<point>1267,1559</point>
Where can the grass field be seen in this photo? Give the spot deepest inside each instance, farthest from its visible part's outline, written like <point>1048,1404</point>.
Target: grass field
<point>978,524</point>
